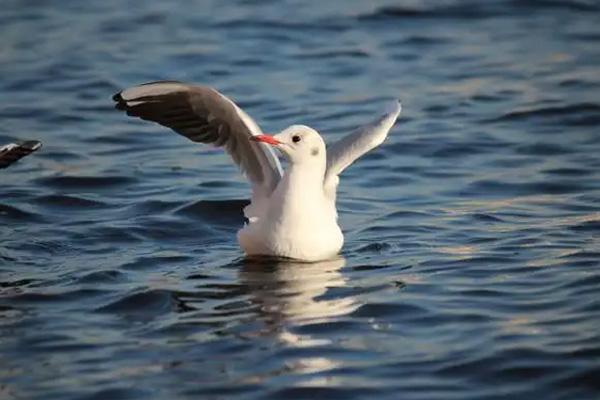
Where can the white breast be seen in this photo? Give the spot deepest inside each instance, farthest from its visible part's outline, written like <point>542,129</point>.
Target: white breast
<point>300,224</point>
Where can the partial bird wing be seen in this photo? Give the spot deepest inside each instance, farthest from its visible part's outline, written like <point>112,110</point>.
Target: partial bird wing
<point>12,152</point>
<point>204,115</point>
<point>346,150</point>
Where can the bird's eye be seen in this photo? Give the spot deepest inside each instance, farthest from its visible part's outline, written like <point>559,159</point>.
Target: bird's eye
<point>296,139</point>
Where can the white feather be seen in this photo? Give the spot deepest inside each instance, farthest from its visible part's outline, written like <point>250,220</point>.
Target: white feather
<point>8,147</point>
<point>150,89</point>
<point>344,152</point>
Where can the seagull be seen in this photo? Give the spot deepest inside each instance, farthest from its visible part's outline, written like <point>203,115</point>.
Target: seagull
<point>291,214</point>
<point>12,152</point>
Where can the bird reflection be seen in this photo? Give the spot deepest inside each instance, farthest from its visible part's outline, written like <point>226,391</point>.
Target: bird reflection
<point>289,292</point>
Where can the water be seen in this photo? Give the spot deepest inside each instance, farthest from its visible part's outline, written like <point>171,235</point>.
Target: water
<point>470,268</point>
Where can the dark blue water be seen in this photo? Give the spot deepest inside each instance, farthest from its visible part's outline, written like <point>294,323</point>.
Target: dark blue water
<point>471,263</point>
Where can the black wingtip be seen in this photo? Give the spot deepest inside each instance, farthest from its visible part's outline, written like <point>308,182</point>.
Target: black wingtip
<point>31,145</point>
<point>120,103</point>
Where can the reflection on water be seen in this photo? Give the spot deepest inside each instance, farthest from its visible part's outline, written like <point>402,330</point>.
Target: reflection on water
<point>291,291</point>
<point>288,293</point>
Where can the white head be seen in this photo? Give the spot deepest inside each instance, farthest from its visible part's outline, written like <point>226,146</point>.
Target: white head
<point>299,144</point>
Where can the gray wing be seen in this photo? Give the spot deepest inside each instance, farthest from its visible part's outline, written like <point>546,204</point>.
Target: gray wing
<point>204,115</point>
<point>346,150</point>
<point>13,152</point>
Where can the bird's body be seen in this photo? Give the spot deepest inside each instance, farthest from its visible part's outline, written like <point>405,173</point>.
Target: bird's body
<point>287,229</point>
<point>291,214</point>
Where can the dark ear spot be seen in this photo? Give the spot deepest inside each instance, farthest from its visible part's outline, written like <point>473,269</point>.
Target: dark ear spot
<point>314,151</point>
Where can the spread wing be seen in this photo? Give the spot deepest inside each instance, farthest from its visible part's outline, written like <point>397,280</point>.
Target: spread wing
<point>12,152</point>
<point>346,150</point>
<point>204,115</point>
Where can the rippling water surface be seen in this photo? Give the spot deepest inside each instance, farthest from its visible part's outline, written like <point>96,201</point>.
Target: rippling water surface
<point>470,268</point>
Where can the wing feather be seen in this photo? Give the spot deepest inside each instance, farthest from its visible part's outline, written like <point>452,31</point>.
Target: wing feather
<point>13,152</point>
<point>204,115</point>
<point>348,149</point>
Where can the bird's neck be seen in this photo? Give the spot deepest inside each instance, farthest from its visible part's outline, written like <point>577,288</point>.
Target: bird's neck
<point>306,177</point>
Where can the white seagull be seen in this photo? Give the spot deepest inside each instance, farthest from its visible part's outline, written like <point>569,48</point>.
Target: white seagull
<point>12,152</point>
<point>291,214</point>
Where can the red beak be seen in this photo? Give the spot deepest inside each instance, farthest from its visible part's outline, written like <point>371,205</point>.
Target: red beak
<point>266,139</point>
